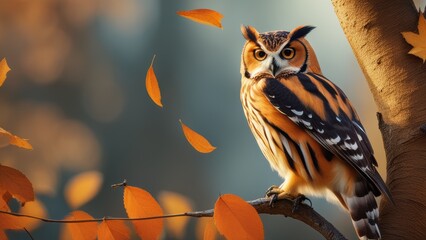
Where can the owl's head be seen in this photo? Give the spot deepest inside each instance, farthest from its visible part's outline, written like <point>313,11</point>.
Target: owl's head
<point>276,53</point>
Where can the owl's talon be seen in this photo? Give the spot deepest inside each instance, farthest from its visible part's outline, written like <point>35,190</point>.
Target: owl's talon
<point>274,199</point>
<point>273,193</point>
<point>299,200</point>
<point>272,190</point>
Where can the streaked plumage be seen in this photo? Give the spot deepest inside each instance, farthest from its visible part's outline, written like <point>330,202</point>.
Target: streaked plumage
<point>306,127</point>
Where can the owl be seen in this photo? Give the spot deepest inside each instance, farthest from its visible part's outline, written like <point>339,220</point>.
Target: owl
<point>307,128</point>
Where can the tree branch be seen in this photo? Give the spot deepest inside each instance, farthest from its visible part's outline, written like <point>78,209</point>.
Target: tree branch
<point>303,213</point>
<point>423,128</point>
<point>283,207</point>
<point>397,81</point>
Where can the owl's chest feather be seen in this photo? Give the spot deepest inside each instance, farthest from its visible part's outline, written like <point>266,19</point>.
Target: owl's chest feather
<point>287,147</point>
<point>265,133</point>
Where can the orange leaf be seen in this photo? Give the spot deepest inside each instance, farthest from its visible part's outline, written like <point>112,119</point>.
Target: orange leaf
<point>151,85</point>
<point>113,230</point>
<point>210,231</point>
<point>8,138</point>
<point>204,16</point>
<point>236,219</point>
<point>82,188</point>
<point>175,203</point>
<point>16,184</point>
<point>8,221</point>
<point>81,231</point>
<point>3,235</point>
<point>34,208</point>
<point>197,141</point>
<point>140,203</point>
<point>418,41</point>
<point>206,229</point>
<point>4,68</point>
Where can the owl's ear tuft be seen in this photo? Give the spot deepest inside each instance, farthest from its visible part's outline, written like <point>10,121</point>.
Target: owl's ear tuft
<point>249,33</point>
<point>300,32</point>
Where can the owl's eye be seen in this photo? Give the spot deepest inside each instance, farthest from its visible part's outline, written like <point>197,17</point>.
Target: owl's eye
<point>259,54</point>
<point>287,53</point>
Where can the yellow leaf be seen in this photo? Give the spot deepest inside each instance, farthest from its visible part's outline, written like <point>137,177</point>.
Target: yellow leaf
<point>175,203</point>
<point>83,188</point>
<point>418,41</point>
<point>151,85</point>
<point>204,16</point>
<point>4,68</point>
<point>8,138</point>
<point>236,219</point>
<point>113,230</point>
<point>16,184</point>
<point>33,208</point>
<point>140,203</point>
<point>80,231</point>
<point>197,141</point>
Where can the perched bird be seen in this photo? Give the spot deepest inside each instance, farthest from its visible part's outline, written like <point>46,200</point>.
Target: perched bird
<point>307,128</point>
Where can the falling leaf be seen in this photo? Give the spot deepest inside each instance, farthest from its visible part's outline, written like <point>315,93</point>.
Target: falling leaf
<point>4,68</point>
<point>16,184</point>
<point>8,138</point>
<point>151,84</point>
<point>113,230</point>
<point>33,208</point>
<point>139,203</point>
<point>418,41</point>
<point>197,141</point>
<point>80,231</point>
<point>204,16</point>
<point>82,188</point>
<point>236,219</point>
<point>175,203</point>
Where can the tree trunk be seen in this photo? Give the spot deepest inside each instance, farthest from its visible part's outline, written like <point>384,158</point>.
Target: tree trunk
<point>398,83</point>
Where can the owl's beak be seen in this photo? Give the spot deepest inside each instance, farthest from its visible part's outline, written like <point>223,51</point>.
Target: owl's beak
<point>273,67</point>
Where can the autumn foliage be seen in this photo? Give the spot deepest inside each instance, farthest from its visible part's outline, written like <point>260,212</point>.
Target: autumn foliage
<point>418,41</point>
<point>13,183</point>
<point>152,87</point>
<point>204,16</point>
<point>234,218</point>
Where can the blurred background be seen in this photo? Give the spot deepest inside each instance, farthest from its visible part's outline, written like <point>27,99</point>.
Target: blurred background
<point>77,91</point>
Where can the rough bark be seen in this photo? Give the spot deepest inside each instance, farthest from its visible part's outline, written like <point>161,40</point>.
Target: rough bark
<point>398,83</point>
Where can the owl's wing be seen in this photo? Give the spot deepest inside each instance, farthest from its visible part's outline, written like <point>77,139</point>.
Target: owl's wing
<point>339,134</point>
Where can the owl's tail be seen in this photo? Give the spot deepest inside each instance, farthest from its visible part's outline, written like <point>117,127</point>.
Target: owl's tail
<point>363,209</point>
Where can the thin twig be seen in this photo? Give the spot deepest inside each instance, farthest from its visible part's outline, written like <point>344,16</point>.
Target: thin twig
<point>95,219</point>
<point>29,234</point>
<point>283,207</point>
<point>122,184</point>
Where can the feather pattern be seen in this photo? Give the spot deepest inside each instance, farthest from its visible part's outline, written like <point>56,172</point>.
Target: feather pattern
<point>307,128</point>
<point>338,136</point>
